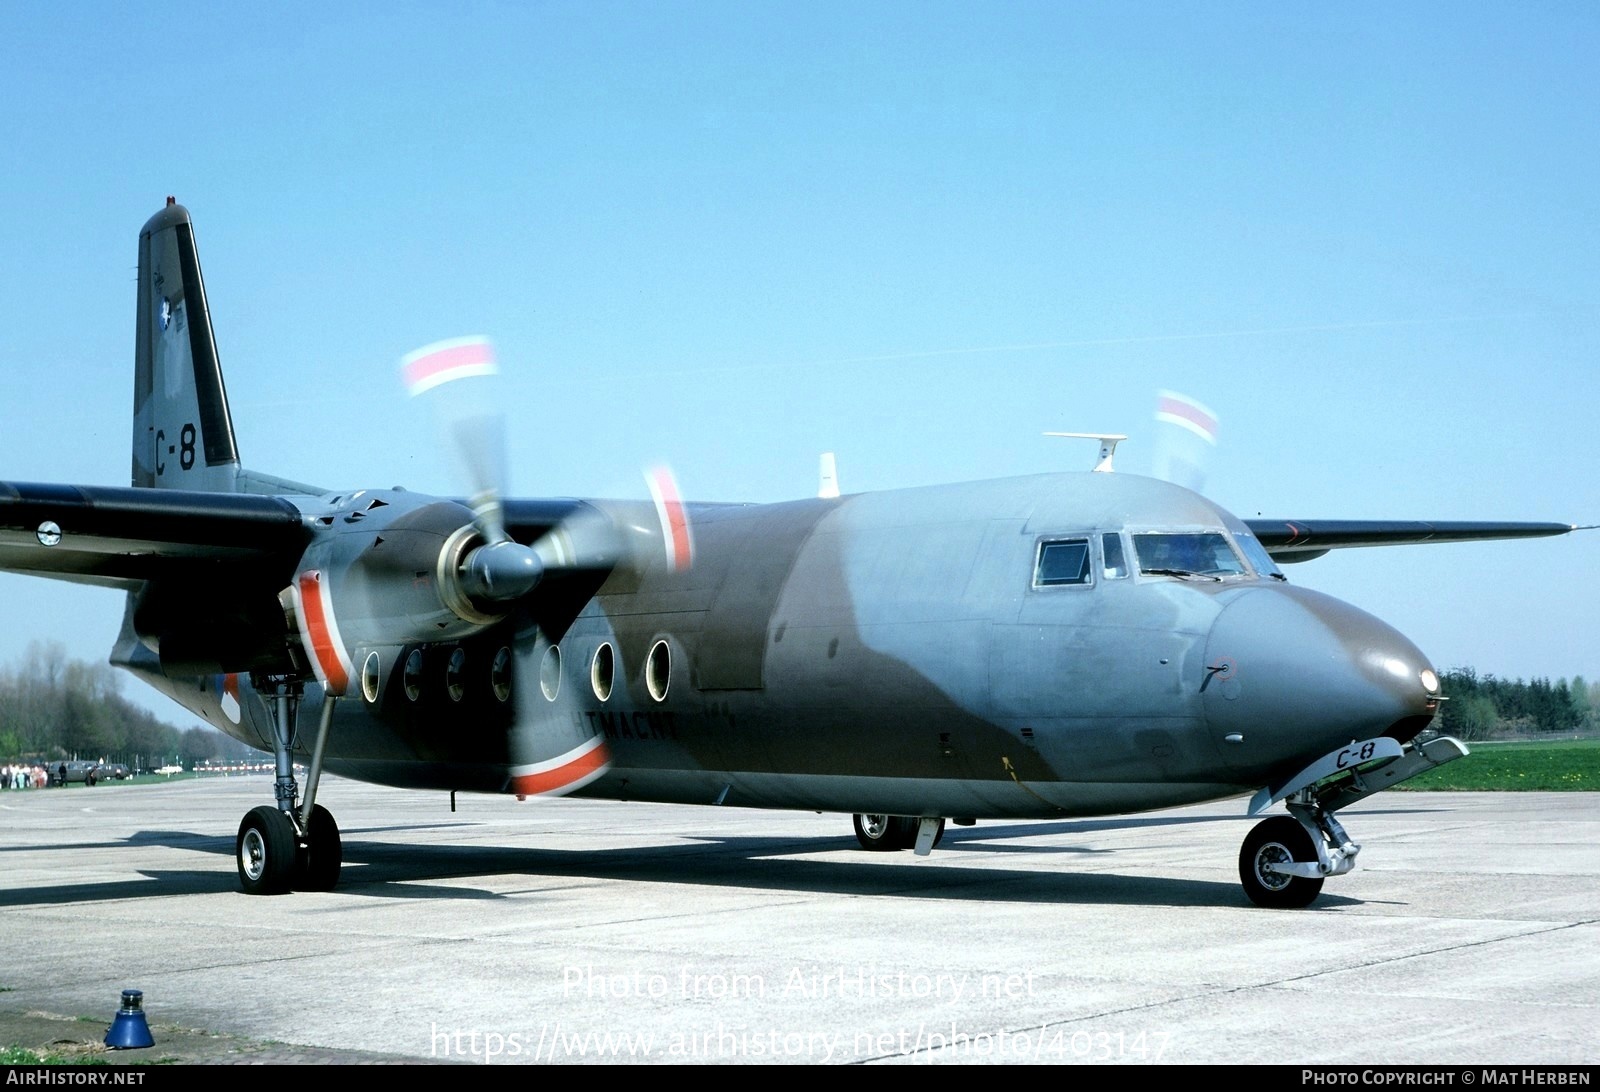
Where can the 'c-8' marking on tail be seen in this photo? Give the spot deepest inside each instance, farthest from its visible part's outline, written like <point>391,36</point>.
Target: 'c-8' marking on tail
<point>184,448</point>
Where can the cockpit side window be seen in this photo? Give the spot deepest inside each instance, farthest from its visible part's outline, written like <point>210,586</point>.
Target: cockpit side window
<point>1116,565</point>
<point>1257,555</point>
<point>1064,561</point>
<point>1192,554</point>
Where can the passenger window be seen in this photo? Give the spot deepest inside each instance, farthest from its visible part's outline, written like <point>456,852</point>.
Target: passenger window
<point>1111,546</point>
<point>1062,563</point>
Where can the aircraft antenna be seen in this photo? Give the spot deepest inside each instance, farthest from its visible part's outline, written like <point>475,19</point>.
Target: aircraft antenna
<point>1108,446</point>
<point>828,476</point>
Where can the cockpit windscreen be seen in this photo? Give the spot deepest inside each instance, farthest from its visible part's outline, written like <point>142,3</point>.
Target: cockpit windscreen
<point>1198,554</point>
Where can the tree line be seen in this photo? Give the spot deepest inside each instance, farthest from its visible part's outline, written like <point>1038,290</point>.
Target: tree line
<point>1482,706</point>
<point>54,708</point>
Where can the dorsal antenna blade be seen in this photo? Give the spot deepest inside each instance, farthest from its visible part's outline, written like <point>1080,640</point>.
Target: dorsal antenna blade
<point>828,476</point>
<point>1108,446</point>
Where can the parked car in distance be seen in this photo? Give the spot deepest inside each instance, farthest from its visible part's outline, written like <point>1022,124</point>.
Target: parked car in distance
<point>64,773</point>
<point>87,772</point>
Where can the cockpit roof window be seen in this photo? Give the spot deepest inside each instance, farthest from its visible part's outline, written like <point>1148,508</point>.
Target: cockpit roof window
<point>1204,553</point>
<point>1065,561</point>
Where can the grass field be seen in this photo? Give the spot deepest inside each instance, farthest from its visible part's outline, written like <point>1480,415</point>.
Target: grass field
<point>1554,766</point>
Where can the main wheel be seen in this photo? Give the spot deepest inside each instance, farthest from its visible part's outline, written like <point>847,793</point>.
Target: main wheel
<point>881,833</point>
<point>1278,840</point>
<point>319,860</point>
<point>266,851</point>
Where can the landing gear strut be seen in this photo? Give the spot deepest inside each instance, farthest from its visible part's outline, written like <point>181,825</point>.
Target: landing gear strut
<point>1284,859</point>
<point>295,845</point>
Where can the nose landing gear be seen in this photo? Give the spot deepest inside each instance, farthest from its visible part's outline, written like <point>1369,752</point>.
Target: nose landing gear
<point>1284,859</point>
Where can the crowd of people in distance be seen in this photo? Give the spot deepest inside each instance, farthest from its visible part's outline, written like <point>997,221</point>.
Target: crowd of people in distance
<point>16,775</point>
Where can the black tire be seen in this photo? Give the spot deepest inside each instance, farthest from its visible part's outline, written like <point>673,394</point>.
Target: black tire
<point>1278,839</point>
<point>319,860</point>
<point>266,852</point>
<point>885,833</point>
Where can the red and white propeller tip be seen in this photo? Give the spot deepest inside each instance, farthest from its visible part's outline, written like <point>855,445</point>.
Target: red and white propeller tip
<point>1187,413</point>
<point>1185,439</point>
<point>447,361</point>
<point>675,534</point>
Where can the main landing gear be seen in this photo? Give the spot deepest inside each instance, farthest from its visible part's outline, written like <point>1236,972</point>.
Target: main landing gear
<point>295,845</point>
<point>883,833</point>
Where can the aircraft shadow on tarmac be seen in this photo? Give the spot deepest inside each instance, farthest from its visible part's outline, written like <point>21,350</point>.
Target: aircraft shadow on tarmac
<point>387,869</point>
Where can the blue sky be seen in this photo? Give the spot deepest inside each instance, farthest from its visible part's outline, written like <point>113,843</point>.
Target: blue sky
<point>919,235</point>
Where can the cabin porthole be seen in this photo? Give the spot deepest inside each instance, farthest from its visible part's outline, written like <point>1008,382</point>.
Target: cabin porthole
<point>602,671</point>
<point>550,672</point>
<point>658,670</point>
<point>369,678</point>
<point>500,675</point>
<point>412,678</point>
<point>455,675</point>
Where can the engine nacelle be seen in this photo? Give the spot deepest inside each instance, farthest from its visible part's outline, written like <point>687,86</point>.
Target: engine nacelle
<point>394,568</point>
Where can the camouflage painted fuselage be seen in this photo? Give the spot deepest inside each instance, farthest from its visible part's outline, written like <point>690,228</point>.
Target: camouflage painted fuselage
<point>888,653</point>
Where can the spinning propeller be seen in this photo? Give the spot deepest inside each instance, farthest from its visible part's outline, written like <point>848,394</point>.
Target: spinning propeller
<point>1185,440</point>
<point>458,376</point>
<point>393,568</point>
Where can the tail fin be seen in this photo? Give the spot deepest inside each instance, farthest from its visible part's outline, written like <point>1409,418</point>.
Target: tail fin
<point>182,431</point>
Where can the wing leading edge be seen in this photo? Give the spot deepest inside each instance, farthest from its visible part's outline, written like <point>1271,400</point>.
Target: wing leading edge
<point>1290,541</point>
<point>124,537</point>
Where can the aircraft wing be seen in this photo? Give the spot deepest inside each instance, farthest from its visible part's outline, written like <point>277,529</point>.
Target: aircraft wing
<point>1301,540</point>
<point>121,537</point>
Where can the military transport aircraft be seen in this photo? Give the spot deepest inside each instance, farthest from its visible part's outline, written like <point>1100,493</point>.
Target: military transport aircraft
<point>1069,644</point>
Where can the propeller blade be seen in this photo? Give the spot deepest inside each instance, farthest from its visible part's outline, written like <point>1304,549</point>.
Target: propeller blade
<point>587,539</point>
<point>457,376</point>
<point>675,534</point>
<point>1185,441</point>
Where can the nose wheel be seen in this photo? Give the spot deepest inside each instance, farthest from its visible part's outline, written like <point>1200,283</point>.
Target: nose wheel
<point>1267,863</point>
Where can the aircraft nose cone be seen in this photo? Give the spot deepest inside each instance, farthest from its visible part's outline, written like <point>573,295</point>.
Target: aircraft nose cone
<point>1291,674</point>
